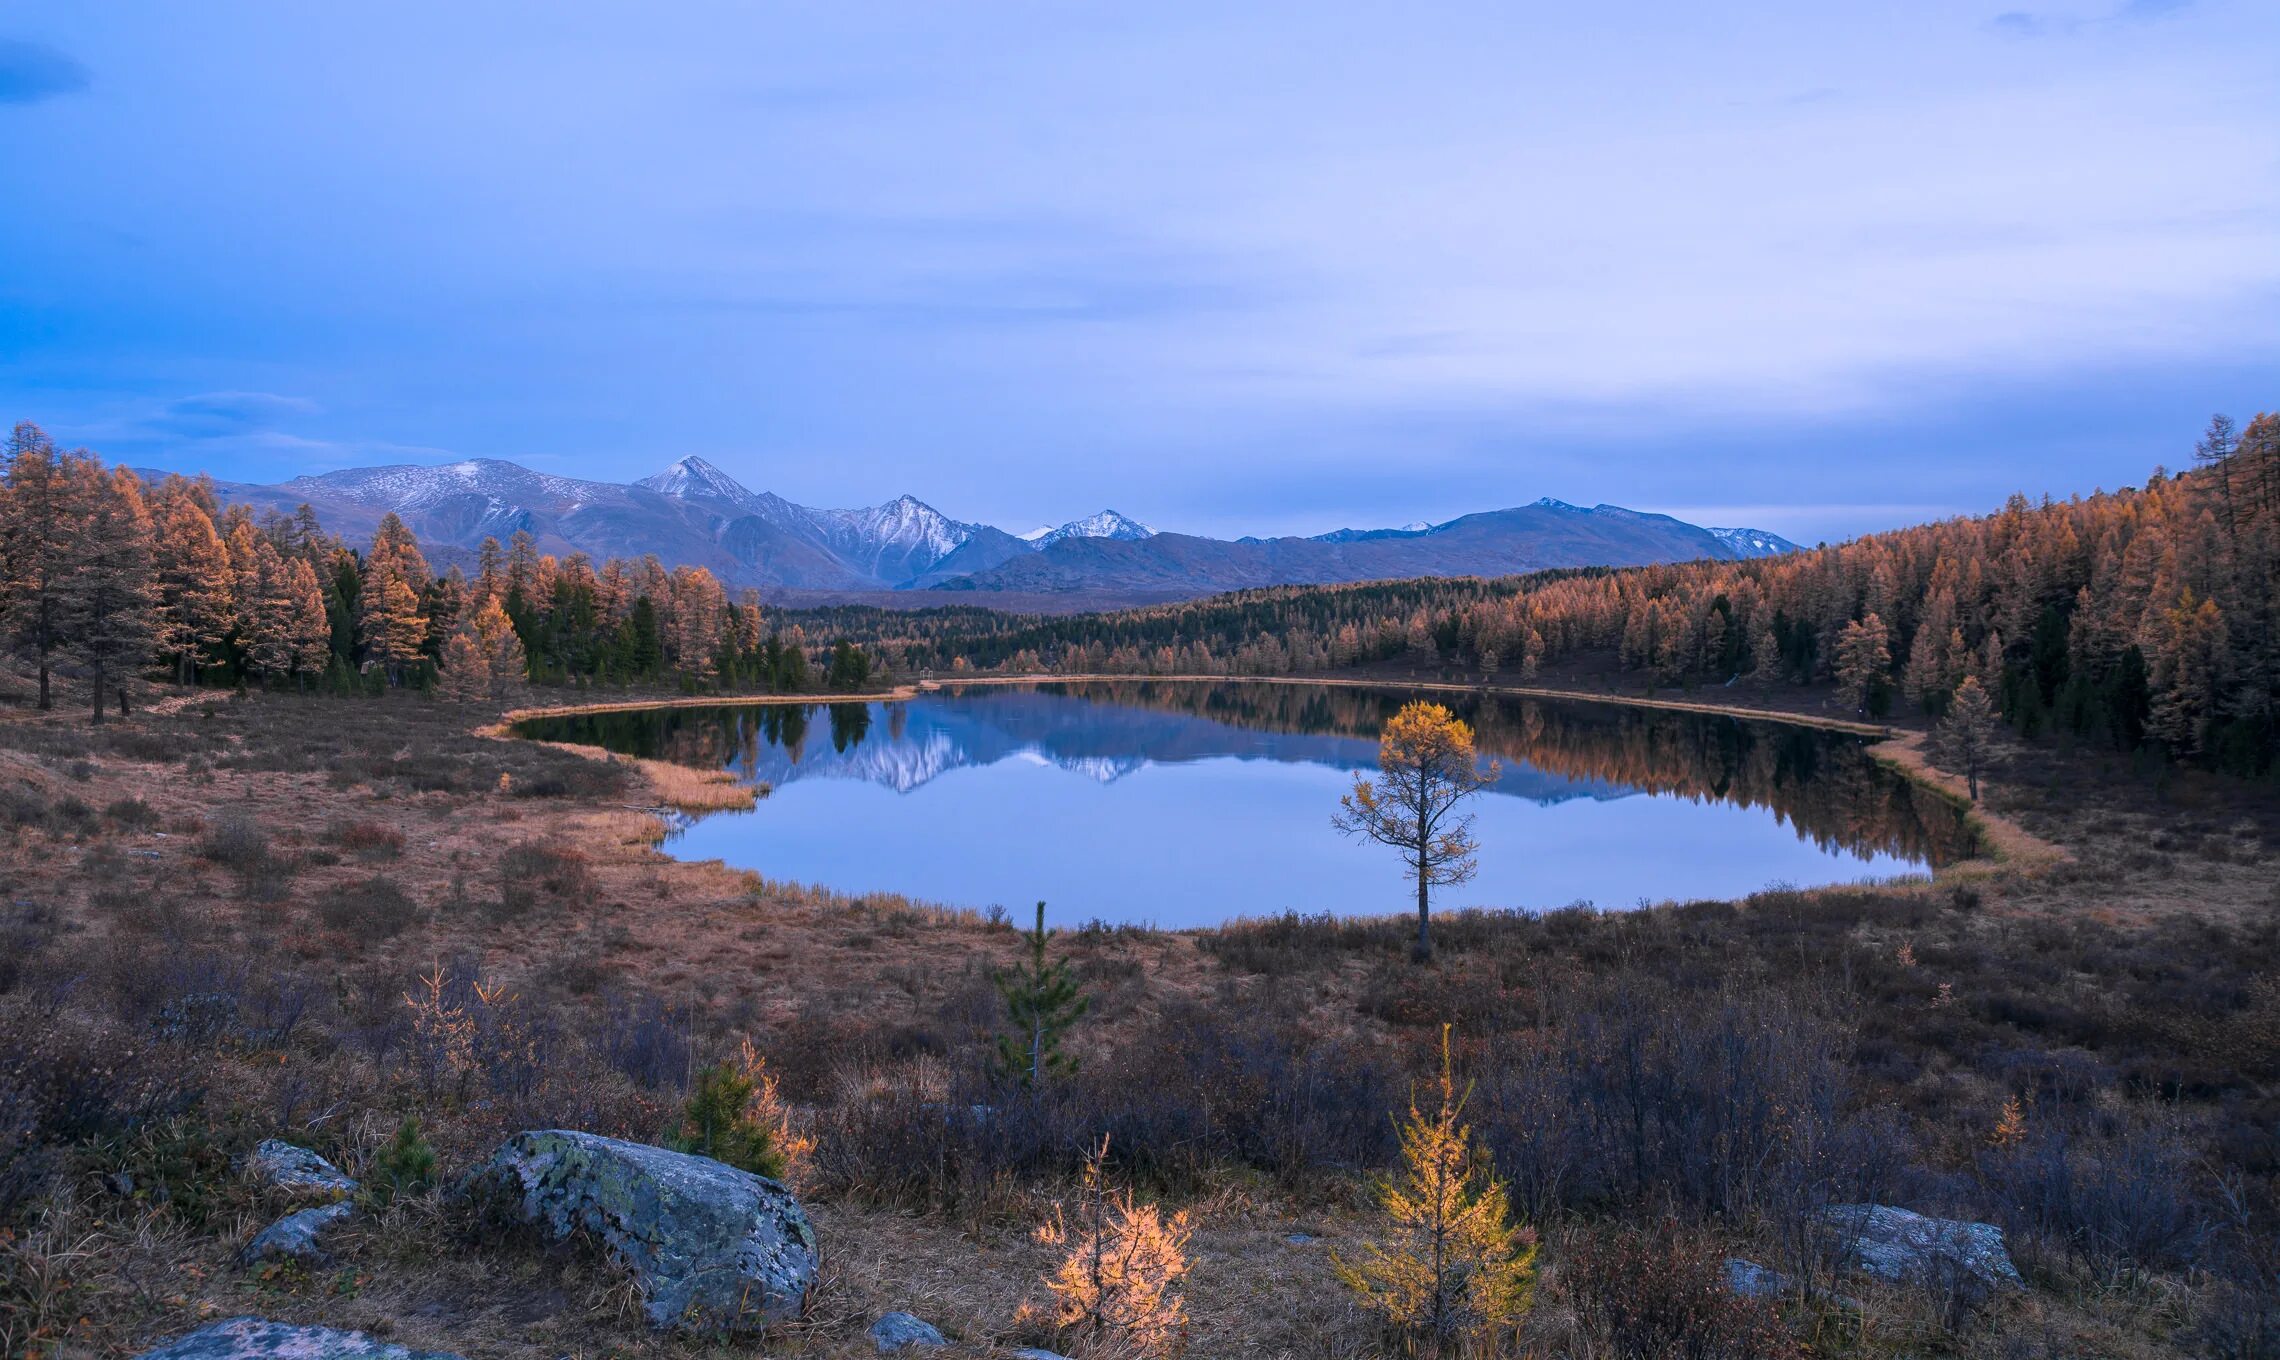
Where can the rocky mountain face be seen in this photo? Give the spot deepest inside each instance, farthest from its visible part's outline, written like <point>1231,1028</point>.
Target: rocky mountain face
<point>694,514</point>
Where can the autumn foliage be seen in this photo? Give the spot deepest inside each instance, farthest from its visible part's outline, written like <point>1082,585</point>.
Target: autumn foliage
<point>1452,1271</point>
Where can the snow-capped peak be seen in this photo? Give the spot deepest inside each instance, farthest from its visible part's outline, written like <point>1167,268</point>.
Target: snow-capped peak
<point>1415,526</point>
<point>904,526</point>
<point>1747,543</point>
<point>1106,524</point>
<point>692,478</point>
<point>1034,534</point>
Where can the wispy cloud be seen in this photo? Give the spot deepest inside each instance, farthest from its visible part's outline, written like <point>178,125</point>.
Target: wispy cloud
<point>31,72</point>
<point>216,415</point>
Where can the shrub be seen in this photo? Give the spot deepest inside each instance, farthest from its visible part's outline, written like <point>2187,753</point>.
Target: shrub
<point>236,843</point>
<point>240,845</point>
<point>2122,1205</point>
<point>366,840</point>
<point>1124,1262</point>
<point>375,909</point>
<point>132,813</point>
<point>405,1166</point>
<point>531,871</point>
<point>1661,1294</point>
<point>718,1122</point>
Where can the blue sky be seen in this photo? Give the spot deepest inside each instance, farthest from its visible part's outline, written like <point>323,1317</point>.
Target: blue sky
<point>1818,268</point>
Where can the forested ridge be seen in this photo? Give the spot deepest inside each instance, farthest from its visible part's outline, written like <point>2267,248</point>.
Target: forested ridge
<point>107,578</point>
<point>2137,618</point>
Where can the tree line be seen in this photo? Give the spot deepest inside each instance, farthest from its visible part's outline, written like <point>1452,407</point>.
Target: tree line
<point>106,578</point>
<point>2139,618</point>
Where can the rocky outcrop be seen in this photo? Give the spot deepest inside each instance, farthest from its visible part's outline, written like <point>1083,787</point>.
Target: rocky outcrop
<point>297,1171</point>
<point>252,1338</point>
<point>902,1331</point>
<point>712,1249</point>
<point>294,1237</point>
<point>1903,1247</point>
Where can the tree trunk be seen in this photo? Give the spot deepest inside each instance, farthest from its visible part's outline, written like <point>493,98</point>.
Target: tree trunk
<point>123,711</point>
<point>1424,947</point>
<point>46,702</point>
<point>98,696</point>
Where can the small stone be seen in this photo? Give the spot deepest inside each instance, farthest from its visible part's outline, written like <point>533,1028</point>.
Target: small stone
<point>902,1331</point>
<point>1753,1281</point>
<point>294,1237</point>
<point>252,1338</point>
<point>297,1171</point>
<point>1298,1239</point>
<point>1032,1353</point>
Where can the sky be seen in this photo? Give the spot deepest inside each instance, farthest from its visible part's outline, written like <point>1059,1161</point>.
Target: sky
<point>1816,268</point>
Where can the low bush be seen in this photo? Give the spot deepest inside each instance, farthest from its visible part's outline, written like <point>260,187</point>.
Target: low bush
<point>133,814</point>
<point>1660,1293</point>
<point>534,872</point>
<point>374,909</point>
<point>366,840</point>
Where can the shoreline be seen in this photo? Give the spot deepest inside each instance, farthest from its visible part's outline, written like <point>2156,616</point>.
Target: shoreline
<point>2002,843</point>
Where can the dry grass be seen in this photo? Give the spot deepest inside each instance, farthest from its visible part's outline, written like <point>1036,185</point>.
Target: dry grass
<point>861,985</point>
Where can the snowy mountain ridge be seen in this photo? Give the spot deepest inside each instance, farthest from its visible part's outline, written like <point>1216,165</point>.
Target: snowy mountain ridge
<point>695,513</point>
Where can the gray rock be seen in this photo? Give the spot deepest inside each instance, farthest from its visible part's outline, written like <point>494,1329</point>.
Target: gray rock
<point>713,1249</point>
<point>1753,1281</point>
<point>1903,1247</point>
<point>901,1331</point>
<point>297,1171</point>
<point>294,1237</point>
<point>1032,1353</point>
<point>252,1338</point>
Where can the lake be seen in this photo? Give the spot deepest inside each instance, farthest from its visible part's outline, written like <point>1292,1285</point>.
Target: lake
<point>1188,803</point>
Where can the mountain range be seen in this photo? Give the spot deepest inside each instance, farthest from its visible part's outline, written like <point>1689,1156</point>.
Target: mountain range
<point>694,514</point>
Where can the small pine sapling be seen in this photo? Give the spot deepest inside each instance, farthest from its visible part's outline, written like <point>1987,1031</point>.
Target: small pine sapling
<point>406,1166</point>
<point>1042,1000</point>
<point>717,1122</point>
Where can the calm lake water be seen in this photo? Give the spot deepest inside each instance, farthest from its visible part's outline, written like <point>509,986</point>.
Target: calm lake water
<point>1189,803</point>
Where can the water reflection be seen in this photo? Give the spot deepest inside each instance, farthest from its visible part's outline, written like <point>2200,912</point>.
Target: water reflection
<point>1215,799</point>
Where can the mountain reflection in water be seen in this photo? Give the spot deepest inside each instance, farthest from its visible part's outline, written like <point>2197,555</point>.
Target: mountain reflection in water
<point>1187,803</point>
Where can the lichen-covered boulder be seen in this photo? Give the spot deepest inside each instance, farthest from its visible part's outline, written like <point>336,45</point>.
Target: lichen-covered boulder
<point>1903,1247</point>
<point>252,1338</point>
<point>713,1249</point>
<point>903,1331</point>
<point>294,1237</point>
<point>297,1171</point>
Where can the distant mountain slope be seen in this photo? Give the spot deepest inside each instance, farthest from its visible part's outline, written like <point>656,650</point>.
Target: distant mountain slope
<point>694,514</point>
<point>1497,543</point>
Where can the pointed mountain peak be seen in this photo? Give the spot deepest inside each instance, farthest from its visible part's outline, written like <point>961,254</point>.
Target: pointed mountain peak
<point>694,478</point>
<point>1106,524</point>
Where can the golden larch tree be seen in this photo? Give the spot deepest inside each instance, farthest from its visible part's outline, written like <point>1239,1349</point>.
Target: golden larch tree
<point>1454,1271</point>
<point>1427,766</point>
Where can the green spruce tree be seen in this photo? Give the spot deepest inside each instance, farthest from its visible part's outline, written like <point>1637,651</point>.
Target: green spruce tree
<point>1042,1000</point>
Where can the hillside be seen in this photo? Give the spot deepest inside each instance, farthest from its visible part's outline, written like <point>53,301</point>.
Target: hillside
<point>1548,533</point>
<point>695,515</point>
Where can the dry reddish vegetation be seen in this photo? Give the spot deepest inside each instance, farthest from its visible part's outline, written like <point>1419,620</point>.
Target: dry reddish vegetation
<point>210,917</point>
